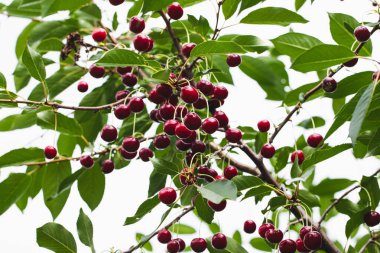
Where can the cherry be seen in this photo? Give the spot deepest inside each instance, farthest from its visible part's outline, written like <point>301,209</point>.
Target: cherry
<point>215,103</point>
<point>109,133</point>
<point>287,246</point>
<point>154,114</point>
<point>210,125</point>
<point>192,137</point>
<point>97,72</point>
<point>127,155</point>
<point>329,84</point>
<point>122,111</point>
<point>182,146</point>
<point>141,43</point>
<point>351,63</point>
<point>268,151</point>
<point>198,245</point>
<point>274,235</point>
<point>164,236</point>
<point>50,152</point>
<point>121,94</point>
<point>130,79</point>
<point>219,177</point>
<point>314,140</point>
<point>145,154</point>
<point>189,94</point>
<point>169,126</point>
<point>99,34</point>
<point>198,146</point>
<point>233,60</point>
<point>222,118</point>
<point>187,48</point>
<point>173,246</point>
<point>151,43</point>
<point>82,86</point>
<point>362,34</point>
<point>263,125</point>
<point>376,76</point>
<point>181,111</point>
<point>220,92</point>
<point>299,154</point>
<point>304,231</point>
<point>154,97</point>
<point>164,90</point>
<point>167,195</point>
<point>161,141</point>
<point>233,135</point>
<point>313,240</point>
<point>173,99</point>
<point>182,244</point>
<point>300,246</point>
<point>190,158</point>
<point>230,172</point>
<point>175,11</point>
<point>136,104</point>
<point>200,104</point>
<point>182,132</point>
<point>131,144</point>
<point>186,177</point>
<point>123,70</point>
<point>219,241</point>
<point>205,87</point>
<point>249,226</point>
<point>116,2</point>
<point>264,228</point>
<point>217,207</point>
<point>107,166</point>
<point>372,218</point>
<point>136,25</point>
<point>167,111</point>
<point>86,161</point>
<point>192,121</point>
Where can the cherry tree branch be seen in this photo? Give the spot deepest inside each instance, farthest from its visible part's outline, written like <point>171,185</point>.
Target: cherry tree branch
<point>371,240</point>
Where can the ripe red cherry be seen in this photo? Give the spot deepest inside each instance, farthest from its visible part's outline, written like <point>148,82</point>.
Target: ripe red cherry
<point>189,94</point>
<point>99,34</point>
<point>198,245</point>
<point>108,166</point>
<point>187,48</point>
<point>299,154</point>
<point>351,63</point>
<point>86,161</point>
<point>82,86</point>
<point>217,207</point>
<point>207,173</point>
<point>274,235</point>
<point>205,87</point>
<point>186,177</point>
<point>131,144</point>
<point>200,104</point>
<point>151,43</point>
<point>127,155</point>
<point>314,140</point>
<point>136,104</point>
<point>287,246</point>
<point>268,151</point>
<point>123,70</point>
<point>141,43</point>
<point>191,138</point>
<point>161,141</point>
<point>167,111</point>
<point>301,247</point>
<point>372,218</point>
<point>109,133</point>
<point>233,135</point>
<point>210,125</point>
<point>173,246</point>
<point>222,118</point>
<point>181,111</point>
<point>233,60</point>
<point>182,132</point>
<point>249,226</point>
<point>155,97</point>
<point>169,126</point>
<point>122,111</point>
<point>136,25</point>
<point>173,99</point>
<point>167,195</point>
<point>220,92</point>
<point>182,146</point>
<point>215,103</point>
<point>192,121</point>
<point>50,152</point>
<point>219,241</point>
<point>362,33</point>
<point>154,115</point>
<point>313,240</point>
<point>116,2</point>
<point>164,90</point>
<point>329,84</point>
<point>304,231</point>
<point>264,228</point>
<point>97,72</point>
<point>145,154</point>
<point>198,146</point>
<point>230,172</point>
<point>175,11</point>
<point>164,236</point>
<point>263,125</point>
<point>121,94</point>
<point>182,244</point>
<point>130,79</point>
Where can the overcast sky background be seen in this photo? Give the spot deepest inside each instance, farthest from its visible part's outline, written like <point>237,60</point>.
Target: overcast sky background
<point>127,188</point>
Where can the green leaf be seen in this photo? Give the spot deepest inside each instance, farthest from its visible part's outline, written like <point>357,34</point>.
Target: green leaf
<point>69,181</point>
<point>153,5</point>
<point>347,207</point>
<point>22,8</point>
<point>324,154</point>
<point>299,4</point>
<point>164,167</point>
<point>248,42</point>
<point>162,75</point>
<point>157,181</point>
<point>219,190</point>
<point>142,124</point>
<point>260,244</point>
<point>351,84</point>
<point>321,57</point>
<point>52,6</point>
<point>295,171</point>
<point>57,238</point>
<point>309,199</point>
<point>203,210</point>
<point>355,221</point>
<point>237,237</point>
<point>258,192</point>
<point>232,247</point>
<point>296,95</point>
<point>22,39</point>
<point>115,22</point>
<point>135,9</point>
<point>121,58</point>
<point>145,208</point>
<point>21,77</point>
<point>34,63</point>
<point>3,81</point>
<point>245,4</point>
<point>21,156</point>
<point>273,16</point>
<point>330,186</point>
<point>371,184</point>
<point>216,47</point>
<point>229,8</point>
<point>18,121</point>
<point>147,245</point>
<point>90,194</point>
<point>245,182</point>
<point>66,125</point>
<point>51,44</point>
<point>12,189</point>
<point>182,229</point>
<point>308,123</point>
<point>85,230</point>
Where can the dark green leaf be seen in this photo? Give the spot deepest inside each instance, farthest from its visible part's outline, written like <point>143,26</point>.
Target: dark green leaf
<point>12,189</point>
<point>145,208</point>
<point>308,198</point>
<point>308,123</point>
<point>3,81</point>
<point>330,186</point>
<point>351,84</point>
<point>57,238</point>
<point>260,244</point>
<point>355,221</point>
<point>85,230</point>
<point>34,63</point>
<point>164,167</point>
<point>219,190</point>
<point>324,154</point>
<point>347,207</point>
<point>248,42</point>
<point>90,194</point>
<point>52,6</point>
<point>21,156</point>
<point>64,125</point>
<point>18,121</point>
<point>245,182</point>
<point>273,16</point>
<point>203,210</point>
<point>216,47</point>
<point>232,247</point>
<point>121,58</point>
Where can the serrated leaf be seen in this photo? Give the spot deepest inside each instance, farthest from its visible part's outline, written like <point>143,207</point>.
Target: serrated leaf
<point>120,58</point>
<point>246,182</point>
<point>329,186</point>
<point>164,167</point>
<point>219,190</point>
<point>273,16</point>
<point>57,238</point>
<point>21,156</point>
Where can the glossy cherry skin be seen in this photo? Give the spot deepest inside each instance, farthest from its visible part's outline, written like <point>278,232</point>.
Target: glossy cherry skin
<point>154,97</point>
<point>167,195</point>
<point>182,132</point>
<point>222,118</point>
<point>121,94</point>
<point>264,228</point>
<point>99,34</point>
<point>219,241</point>
<point>230,172</point>
<point>164,236</point>
<point>122,111</point>
<point>82,86</point>
<point>372,218</point>
<point>268,151</point>
<point>198,245</point>
<point>169,126</point>
<point>123,70</point>
<point>205,87</point>
<point>287,246</point>
<point>189,94</point>
<point>116,2</point>
<point>167,111</point>
<point>136,104</point>
<point>217,207</point>
<point>274,235</point>
<point>314,140</point>
<point>86,161</point>
<point>141,42</point>
<point>192,121</point>
<point>145,154</point>
<point>131,144</point>
<point>313,240</point>
<point>220,92</point>
<point>198,146</point>
<point>182,146</point>
<point>50,152</point>
<point>300,156</point>
<point>187,48</point>
<point>181,111</point>
<point>175,11</point>
<point>263,126</point>
<point>127,155</point>
<point>130,79</point>
<point>161,141</point>
<point>249,226</point>
<point>154,115</point>
<point>300,246</point>
<point>97,72</point>
<point>207,173</point>
<point>210,125</point>
<point>108,166</point>
<point>164,90</point>
<point>109,133</point>
<point>304,231</point>
<point>136,25</point>
<point>362,34</point>
<point>173,246</point>
<point>351,63</point>
<point>329,84</point>
<point>233,60</point>
<point>191,138</point>
<point>233,135</point>
<point>151,43</point>
<point>182,244</point>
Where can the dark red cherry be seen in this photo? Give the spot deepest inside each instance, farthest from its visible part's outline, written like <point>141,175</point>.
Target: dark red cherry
<point>249,226</point>
<point>50,152</point>
<point>154,115</point>
<point>107,166</point>
<point>233,135</point>
<point>189,94</point>
<point>127,155</point>
<point>82,86</point>
<point>109,133</point>
<point>164,90</point>
<point>351,63</point>
<point>122,111</point>
<point>329,84</point>
<point>154,97</point>
<point>314,140</point>
<point>210,125</point>
<point>173,246</point>
<point>263,125</point>
<point>198,146</point>
<point>191,138</point>
<point>86,161</point>
<point>198,245</point>
<point>220,92</point>
<point>300,155</point>
<point>182,146</point>
<point>145,154</point>
<point>173,99</point>
<point>161,141</point>
<point>215,103</point>
<point>151,43</point>
<point>164,236</point>
<point>123,70</point>
<point>169,126</point>
<point>192,121</point>
<point>362,33</point>
<point>230,172</point>
<point>136,104</point>
<point>222,118</point>
<point>97,72</point>
<point>268,151</point>
<point>301,247</point>
<point>219,241</point>
<point>116,2</point>
<point>304,231</point>
<point>274,235</point>
<point>187,48</point>
<point>205,87</point>
<point>233,60</point>
<point>130,79</point>
<point>175,11</point>
<point>181,111</point>
<point>167,111</point>
<point>287,246</point>
<point>99,34</point>
<point>136,25</point>
<point>141,42</point>
<point>313,240</point>
<point>372,218</point>
<point>131,144</point>
<point>121,94</point>
<point>217,207</point>
<point>264,228</point>
<point>182,132</point>
<point>167,195</point>
<point>182,244</point>
<point>200,104</point>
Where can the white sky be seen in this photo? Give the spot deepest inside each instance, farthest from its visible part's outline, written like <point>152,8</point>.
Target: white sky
<point>127,188</point>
